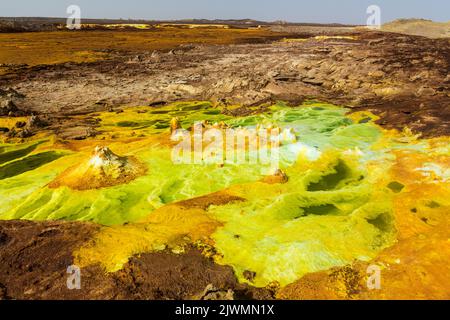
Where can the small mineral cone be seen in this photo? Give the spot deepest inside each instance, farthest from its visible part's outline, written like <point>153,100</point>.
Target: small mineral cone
<point>103,169</point>
<point>174,124</point>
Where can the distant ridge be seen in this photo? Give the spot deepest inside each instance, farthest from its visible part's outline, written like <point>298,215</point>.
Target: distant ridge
<point>22,24</point>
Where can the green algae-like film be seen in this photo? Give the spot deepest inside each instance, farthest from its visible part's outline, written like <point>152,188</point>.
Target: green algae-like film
<point>26,173</point>
<point>283,233</point>
<point>330,211</point>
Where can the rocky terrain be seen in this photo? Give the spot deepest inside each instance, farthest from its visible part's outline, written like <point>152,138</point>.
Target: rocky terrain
<point>34,258</point>
<point>404,79</point>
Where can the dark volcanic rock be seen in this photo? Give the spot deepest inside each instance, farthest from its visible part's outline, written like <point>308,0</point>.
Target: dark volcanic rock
<point>34,257</point>
<point>8,107</point>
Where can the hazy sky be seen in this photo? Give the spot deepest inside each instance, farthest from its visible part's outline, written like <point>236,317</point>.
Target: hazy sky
<point>342,11</point>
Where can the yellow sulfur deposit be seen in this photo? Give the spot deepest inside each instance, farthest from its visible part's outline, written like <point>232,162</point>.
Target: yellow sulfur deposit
<point>343,191</point>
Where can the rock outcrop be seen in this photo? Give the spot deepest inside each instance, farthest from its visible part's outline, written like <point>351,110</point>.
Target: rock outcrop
<point>103,169</point>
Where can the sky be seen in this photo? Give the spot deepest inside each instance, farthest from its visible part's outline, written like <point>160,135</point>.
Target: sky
<point>320,11</point>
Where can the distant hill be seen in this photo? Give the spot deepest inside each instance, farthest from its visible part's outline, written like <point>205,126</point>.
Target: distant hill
<point>419,27</point>
<point>24,24</point>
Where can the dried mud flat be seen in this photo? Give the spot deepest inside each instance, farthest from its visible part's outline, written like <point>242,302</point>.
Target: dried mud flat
<point>403,79</point>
